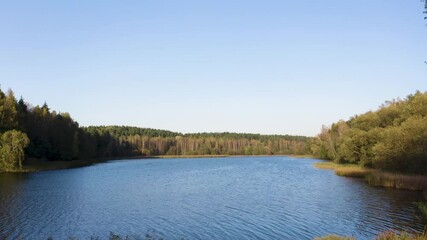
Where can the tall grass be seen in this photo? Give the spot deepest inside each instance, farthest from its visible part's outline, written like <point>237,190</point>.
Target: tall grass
<point>400,181</point>
<point>377,178</point>
<point>352,172</point>
<point>390,235</point>
<point>345,170</point>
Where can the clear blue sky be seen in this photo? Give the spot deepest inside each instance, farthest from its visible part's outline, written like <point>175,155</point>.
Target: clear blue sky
<point>276,67</point>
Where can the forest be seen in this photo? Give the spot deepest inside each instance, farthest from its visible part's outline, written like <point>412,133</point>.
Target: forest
<point>392,138</point>
<point>37,132</point>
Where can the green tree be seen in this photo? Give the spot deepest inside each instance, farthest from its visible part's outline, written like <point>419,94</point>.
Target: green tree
<point>393,138</point>
<point>8,112</point>
<point>403,148</point>
<point>12,145</point>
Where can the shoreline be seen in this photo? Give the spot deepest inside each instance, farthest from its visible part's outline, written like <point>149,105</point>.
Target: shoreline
<point>375,177</point>
<point>38,165</point>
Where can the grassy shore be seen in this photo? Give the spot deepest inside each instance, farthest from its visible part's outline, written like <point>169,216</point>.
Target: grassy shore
<point>345,170</point>
<point>377,178</point>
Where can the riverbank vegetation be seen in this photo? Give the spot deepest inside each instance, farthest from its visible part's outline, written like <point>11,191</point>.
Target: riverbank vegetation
<point>399,181</point>
<point>377,178</point>
<point>53,140</point>
<point>386,147</point>
<point>393,138</point>
<point>346,170</point>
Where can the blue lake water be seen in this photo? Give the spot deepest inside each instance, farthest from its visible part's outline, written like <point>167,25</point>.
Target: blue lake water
<point>200,198</point>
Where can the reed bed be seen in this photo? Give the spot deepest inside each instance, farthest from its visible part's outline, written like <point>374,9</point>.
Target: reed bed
<point>391,235</point>
<point>352,172</point>
<point>399,181</point>
<point>377,178</point>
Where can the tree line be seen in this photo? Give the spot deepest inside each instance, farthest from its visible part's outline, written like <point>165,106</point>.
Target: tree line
<point>392,138</point>
<point>37,132</point>
<point>140,141</point>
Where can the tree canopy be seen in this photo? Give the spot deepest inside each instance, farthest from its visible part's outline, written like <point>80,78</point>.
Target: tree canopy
<point>12,141</point>
<point>393,138</point>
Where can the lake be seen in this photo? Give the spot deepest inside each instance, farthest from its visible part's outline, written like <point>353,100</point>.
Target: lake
<point>200,198</point>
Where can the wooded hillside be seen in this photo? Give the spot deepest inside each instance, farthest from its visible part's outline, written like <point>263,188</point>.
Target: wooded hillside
<point>392,138</point>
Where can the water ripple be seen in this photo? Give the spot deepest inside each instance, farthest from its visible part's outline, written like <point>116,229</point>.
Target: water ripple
<point>224,198</point>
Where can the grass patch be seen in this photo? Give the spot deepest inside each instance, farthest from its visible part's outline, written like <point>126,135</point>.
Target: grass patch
<point>327,165</point>
<point>352,172</point>
<point>345,170</point>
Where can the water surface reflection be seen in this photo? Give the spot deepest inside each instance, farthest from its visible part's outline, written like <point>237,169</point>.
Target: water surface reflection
<point>222,198</point>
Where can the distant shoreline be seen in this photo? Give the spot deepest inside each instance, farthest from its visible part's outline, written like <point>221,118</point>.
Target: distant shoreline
<point>37,165</point>
<point>219,156</point>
